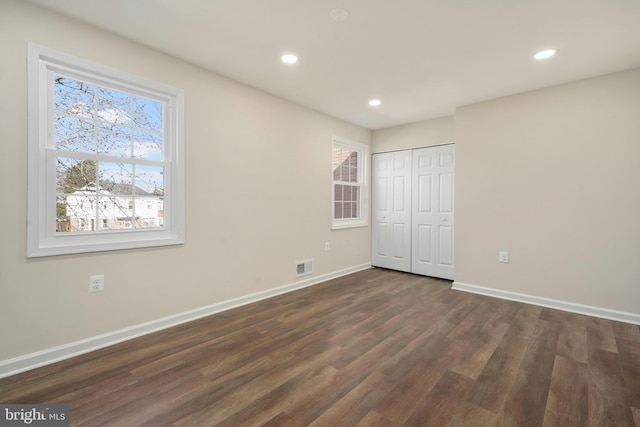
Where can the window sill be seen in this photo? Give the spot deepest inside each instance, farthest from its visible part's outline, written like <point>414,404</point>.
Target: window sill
<point>348,224</point>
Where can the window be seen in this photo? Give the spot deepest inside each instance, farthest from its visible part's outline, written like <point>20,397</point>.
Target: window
<point>105,158</point>
<point>349,191</point>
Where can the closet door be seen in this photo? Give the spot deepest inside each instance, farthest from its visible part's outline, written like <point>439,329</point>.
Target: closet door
<point>432,211</point>
<point>391,210</point>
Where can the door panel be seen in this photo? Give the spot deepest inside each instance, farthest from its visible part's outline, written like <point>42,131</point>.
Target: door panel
<point>445,249</point>
<point>433,171</point>
<point>391,230</point>
<point>446,193</point>
<point>380,193</point>
<point>399,242</point>
<point>424,194</point>
<point>424,251</point>
<point>446,159</point>
<point>400,204</point>
<point>381,246</point>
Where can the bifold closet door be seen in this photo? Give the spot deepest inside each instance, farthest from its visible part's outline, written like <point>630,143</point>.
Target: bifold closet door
<point>413,213</point>
<point>432,211</point>
<point>391,210</point>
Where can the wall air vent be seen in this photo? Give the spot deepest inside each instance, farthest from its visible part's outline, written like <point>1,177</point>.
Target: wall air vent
<point>304,267</point>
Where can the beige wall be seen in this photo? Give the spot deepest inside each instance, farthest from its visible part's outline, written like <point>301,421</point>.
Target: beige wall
<point>414,135</point>
<point>248,155</point>
<point>553,176</point>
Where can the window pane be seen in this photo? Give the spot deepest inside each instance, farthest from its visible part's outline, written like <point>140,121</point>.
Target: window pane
<point>343,162</point>
<point>73,98</point>
<point>149,212</point>
<point>355,194</point>
<point>76,195</point>
<point>353,159</point>
<point>346,210</point>
<point>347,193</point>
<point>116,178</point>
<point>337,210</point>
<point>81,210</point>
<point>147,113</point>
<point>113,107</point>
<point>62,219</point>
<point>149,180</point>
<point>353,167</point>
<point>74,111</point>
<point>337,156</point>
<point>114,140</point>
<point>336,172</point>
<point>114,212</point>
<point>74,175</point>
<point>344,172</point>
<point>345,165</point>
<point>75,134</point>
<point>147,144</point>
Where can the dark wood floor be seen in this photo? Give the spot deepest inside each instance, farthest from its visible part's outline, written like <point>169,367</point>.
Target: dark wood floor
<point>376,348</point>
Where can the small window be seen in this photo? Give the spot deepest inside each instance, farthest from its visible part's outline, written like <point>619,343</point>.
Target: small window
<point>349,191</point>
<point>103,146</point>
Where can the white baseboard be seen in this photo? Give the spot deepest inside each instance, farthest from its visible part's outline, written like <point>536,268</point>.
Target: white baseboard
<point>605,313</point>
<point>55,354</point>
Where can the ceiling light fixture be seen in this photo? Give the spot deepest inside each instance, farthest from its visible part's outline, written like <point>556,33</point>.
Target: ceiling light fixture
<point>339,15</point>
<point>289,58</point>
<point>544,54</point>
<point>375,102</point>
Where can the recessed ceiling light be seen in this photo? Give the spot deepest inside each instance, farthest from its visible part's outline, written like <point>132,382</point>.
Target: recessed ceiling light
<point>544,54</point>
<point>339,15</point>
<point>375,102</point>
<point>289,58</point>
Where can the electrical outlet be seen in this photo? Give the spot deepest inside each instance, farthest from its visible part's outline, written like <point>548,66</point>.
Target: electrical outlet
<point>503,257</point>
<point>96,283</point>
<point>327,246</point>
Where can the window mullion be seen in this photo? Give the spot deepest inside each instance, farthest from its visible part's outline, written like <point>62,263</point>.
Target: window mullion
<point>131,127</point>
<point>105,158</point>
<point>96,132</point>
<point>133,196</point>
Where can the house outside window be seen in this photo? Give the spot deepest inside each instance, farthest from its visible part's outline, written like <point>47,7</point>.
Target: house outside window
<point>348,178</point>
<point>105,158</point>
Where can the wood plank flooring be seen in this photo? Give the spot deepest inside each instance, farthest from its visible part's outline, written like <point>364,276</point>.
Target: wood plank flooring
<point>375,348</point>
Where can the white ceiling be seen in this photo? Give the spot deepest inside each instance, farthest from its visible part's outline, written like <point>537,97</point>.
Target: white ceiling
<point>422,58</point>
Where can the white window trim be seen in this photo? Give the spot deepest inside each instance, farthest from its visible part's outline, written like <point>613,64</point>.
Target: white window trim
<point>42,240</point>
<point>363,221</point>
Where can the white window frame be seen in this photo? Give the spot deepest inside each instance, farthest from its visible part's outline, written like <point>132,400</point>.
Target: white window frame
<point>42,240</point>
<point>363,150</point>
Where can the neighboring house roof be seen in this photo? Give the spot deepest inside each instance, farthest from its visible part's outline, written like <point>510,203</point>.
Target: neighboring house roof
<point>121,189</point>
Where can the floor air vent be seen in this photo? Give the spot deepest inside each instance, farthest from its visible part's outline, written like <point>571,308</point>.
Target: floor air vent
<point>304,267</point>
